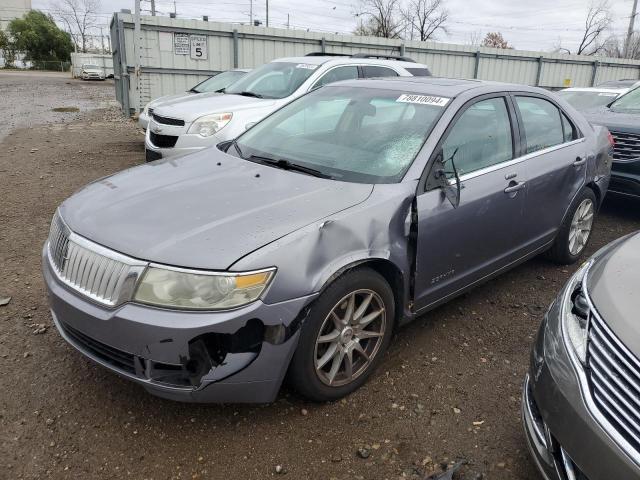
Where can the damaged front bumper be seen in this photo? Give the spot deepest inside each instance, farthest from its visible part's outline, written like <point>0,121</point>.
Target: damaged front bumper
<point>230,356</point>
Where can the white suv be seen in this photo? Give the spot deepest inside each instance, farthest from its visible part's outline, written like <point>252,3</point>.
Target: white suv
<point>196,123</point>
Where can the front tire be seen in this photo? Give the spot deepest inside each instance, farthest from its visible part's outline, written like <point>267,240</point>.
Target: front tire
<point>344,337</point>
<point>575,232</point>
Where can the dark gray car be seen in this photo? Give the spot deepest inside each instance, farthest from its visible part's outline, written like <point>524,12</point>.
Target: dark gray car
<point>622,118</point>
<point>582,395</point>
<point>299,247</point>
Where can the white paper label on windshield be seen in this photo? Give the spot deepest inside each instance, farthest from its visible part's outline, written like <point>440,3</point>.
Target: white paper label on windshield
<point>423,99</point>
<point>308,66</point>
<point>607,94</point>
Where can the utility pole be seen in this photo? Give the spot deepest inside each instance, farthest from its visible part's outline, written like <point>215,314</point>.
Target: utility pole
<point>251,13</point>
<point>632,20</point>
<point>101,40</point>
<point>287,20</point>
<point>153,8</point>
<point>137,49</point>
<point>267,13</point>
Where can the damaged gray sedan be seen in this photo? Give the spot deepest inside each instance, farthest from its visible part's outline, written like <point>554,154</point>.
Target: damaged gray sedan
<point>299,247</point>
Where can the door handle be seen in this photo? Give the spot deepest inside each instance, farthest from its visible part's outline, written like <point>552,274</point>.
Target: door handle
<point>580,161</point>
<point>515,187</point>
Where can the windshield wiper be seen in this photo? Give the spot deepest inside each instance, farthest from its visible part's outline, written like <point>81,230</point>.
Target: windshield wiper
<point>287,165</point>
<point>194,90</point>
<point>250,94</point>
<point>221,90</point>
<point>234,142</point>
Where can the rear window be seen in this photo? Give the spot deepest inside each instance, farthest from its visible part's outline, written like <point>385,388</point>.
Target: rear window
<point>590,99</point>
<point>419,72</point>
<point>542,124</point>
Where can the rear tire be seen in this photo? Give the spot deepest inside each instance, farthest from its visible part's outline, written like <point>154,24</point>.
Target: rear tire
<point>575,232</point>
<point>344,337</point>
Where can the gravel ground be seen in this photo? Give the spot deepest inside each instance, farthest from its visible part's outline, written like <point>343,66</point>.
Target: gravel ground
<point>449,387</point>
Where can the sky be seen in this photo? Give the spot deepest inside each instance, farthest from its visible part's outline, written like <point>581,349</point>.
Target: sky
<point>526,25</point>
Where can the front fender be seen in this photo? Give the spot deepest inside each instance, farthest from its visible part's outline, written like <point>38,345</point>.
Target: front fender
<point>311,257</point>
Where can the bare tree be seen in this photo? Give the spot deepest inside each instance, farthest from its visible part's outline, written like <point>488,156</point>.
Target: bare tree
<point>80,16</point>
<point>381,18</point>
<point>597,22</point>
<point>615,47</point>
<point>426,17</point>
<point>495,40</point>
<point>475,38</point>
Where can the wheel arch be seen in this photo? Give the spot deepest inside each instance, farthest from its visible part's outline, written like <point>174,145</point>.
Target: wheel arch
<point>394,276</point>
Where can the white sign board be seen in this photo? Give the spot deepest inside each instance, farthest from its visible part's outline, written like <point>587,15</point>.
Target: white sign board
<point>181,43</point>
<point>198,47</point>
<point>165,41</point>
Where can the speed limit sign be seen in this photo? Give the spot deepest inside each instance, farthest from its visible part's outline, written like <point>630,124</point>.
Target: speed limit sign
<point>198,47</point>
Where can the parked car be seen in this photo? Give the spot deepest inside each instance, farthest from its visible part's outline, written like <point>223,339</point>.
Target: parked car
<point>622,118</point>
<point>302,244</point>
<point>580,398</point>
<point>624,83</point>
<point>92,72</point>
<point>590,97</point>
<point>214,84</point>
<point>188,126</point>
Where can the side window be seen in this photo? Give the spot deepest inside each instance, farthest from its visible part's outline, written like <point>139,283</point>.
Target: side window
<point>570,132</point>
<point>542,124</point>
<point>481,136</point>
<point>375,71</point>
<point>348,72</point>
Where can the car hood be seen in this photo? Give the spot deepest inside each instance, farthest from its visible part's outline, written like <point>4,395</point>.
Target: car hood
<point>205,210</point>
<point>613,285</point>
<point>171,99</point>
<point>194,107</point>
<point>614,120</point>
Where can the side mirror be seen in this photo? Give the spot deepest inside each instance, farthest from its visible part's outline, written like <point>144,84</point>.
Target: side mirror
<point>451,191</point>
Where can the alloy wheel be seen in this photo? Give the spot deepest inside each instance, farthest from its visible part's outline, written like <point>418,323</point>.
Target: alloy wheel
<point>581,225</point>
<point>350,337</point>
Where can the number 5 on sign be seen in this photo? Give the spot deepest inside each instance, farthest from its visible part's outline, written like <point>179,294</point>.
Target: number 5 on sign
<point>198,47</point>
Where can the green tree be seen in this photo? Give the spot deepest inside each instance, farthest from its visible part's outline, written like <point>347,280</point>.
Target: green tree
<point>7,48</point>
<point>39,37</point>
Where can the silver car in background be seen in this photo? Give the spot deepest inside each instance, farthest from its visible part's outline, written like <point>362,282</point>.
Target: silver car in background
<point>589,98</point>
<point>214,84</point>
<point>300,246</point>
<point>581,399</point>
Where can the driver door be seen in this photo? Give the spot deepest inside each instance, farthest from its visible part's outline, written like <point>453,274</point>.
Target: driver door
<point>459,246</point>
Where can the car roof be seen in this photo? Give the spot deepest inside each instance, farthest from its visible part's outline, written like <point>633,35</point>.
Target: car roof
<point>345,59</point>
<point>595,89</point>
<point>627,82</point>
<point>447,87</point>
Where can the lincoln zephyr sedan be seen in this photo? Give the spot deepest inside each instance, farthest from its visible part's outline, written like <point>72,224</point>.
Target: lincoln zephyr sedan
<point>297,248</point>
<point>582,395</point>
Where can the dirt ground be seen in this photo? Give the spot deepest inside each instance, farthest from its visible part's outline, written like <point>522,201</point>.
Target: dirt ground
<point>63,417</point>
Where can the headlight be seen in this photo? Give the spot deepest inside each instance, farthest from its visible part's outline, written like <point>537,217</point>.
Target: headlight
<point>210,124</point>
<point>575,313</point>
<point>201,291</point>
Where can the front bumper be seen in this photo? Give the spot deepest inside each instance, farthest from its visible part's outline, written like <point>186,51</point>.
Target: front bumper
<point>143,120</point>
<point>563,429</point>
<point>185,143</point>
<point>157,348</point>
<point>625,178</point>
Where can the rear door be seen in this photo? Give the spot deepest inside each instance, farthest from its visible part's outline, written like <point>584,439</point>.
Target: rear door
<point>555,158</point>
<point>459,246</point>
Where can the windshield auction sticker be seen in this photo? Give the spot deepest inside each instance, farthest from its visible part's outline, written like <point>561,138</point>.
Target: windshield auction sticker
<point>423,99</point>
<point>308,66</point>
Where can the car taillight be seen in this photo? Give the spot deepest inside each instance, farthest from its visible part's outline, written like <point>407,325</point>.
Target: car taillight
<point>612,141</point>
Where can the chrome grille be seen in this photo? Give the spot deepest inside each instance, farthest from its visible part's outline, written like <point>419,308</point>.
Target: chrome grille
<point>627,146</point>
<point>104,276</point>
<point>615,380</point>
